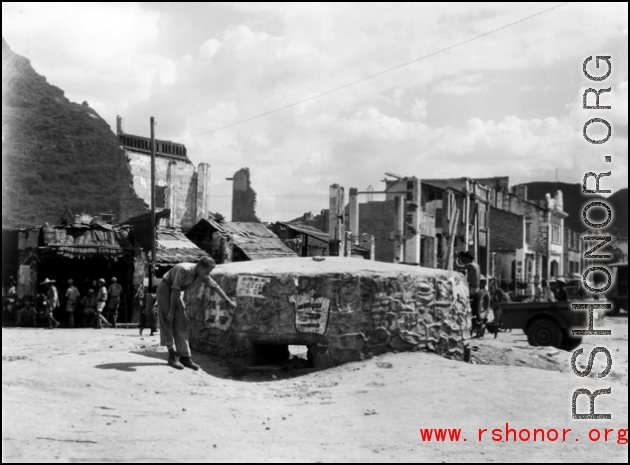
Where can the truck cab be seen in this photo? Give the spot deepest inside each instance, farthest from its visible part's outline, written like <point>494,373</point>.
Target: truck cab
<point>617,295</point>
<point>548,323</point>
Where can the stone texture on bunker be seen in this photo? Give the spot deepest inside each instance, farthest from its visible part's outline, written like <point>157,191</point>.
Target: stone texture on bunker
<point>342,309</point>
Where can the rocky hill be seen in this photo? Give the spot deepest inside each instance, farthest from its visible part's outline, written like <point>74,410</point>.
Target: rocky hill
<point>574,201</point>
<point>56,154</point>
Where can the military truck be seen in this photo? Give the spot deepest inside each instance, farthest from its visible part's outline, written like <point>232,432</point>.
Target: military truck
<point>617,295</point>
<point>548,323</point>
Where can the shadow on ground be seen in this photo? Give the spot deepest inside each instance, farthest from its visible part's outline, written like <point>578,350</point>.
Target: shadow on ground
<point>128,366</point>
<point>219,368</point>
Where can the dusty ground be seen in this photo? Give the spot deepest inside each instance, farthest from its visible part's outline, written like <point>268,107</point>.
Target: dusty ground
<point>87,395</point>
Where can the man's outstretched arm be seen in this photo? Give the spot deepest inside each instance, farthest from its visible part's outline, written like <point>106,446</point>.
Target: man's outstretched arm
<point>224,296</point>
<point>211,283</point>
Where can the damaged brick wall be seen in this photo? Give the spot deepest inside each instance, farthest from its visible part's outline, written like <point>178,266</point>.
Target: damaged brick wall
<point>178,182</point>
<point>507,230</point>
<point>243,198</point>
<point>379,220</point>
<point>56,154</point>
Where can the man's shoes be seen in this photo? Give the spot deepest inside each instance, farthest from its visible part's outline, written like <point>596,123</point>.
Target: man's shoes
<point>172,360</point>
<point>57,325</point>
<point>188,363</point>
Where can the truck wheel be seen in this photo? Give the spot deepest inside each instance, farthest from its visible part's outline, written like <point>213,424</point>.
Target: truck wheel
<point>544,332</point>
<point>570,342</point>
<point>481,305</point>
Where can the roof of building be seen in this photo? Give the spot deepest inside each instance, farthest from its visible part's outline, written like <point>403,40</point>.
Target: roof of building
<point>171,247</point>
<point>360,249</point>
<point>174,247</point>
<point>320,235</point>
<point>142,145</point>
<point>80,240</point>
<point>306,229</point>
<point>255,240</point>
<point>141,226</point>
<point>435,185</point>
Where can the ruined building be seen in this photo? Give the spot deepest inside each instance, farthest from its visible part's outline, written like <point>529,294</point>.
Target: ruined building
<point>180,187</point>
<point>243,198</point>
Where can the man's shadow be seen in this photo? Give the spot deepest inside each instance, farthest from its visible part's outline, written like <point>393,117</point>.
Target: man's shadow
<point>127,367</point>
<point>214,366</point>
<point>210,364</point>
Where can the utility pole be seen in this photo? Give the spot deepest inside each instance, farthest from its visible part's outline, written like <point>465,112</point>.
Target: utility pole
<point>153,222</point>
<point>336,227</point>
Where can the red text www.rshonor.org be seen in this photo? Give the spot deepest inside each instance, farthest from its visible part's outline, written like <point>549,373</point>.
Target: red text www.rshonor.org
<point>509,434</point>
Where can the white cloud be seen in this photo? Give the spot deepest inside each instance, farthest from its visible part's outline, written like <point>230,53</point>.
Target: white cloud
<point>209,48</point>
<point>122,58</point>
<point>419,109</point>
<point>462,85</point>
<point>102,52</point>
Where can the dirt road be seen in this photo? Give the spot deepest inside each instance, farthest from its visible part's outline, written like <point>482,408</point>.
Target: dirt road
<point>85,395</point>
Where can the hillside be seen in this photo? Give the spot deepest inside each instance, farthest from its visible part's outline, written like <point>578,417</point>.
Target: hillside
<point>56,153</point>
<point>574,201</point>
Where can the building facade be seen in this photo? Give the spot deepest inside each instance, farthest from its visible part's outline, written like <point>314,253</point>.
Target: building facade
<point>528,244</point>
<point>180,187</point>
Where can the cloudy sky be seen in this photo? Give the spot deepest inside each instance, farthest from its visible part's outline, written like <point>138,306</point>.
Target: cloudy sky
<point>507,103</point>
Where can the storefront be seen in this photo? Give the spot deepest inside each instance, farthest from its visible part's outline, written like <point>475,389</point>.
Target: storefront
<point>83,252</point>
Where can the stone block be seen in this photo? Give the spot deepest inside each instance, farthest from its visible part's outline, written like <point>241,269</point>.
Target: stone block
<point>342,309</point>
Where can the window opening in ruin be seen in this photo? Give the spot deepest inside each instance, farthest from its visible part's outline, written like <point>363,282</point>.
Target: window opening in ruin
<point>160,196</point>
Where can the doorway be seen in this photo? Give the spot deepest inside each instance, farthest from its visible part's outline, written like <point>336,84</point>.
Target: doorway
<point>84,271</point>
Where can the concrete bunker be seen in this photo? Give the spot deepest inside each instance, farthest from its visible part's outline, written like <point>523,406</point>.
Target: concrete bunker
<point>342,309</point>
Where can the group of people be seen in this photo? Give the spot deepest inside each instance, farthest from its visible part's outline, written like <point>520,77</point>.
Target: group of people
<point>544,292</point>
<point>498,294</point>
<point>558,293</point>
<point>99,301</point>
<point>164,308</point>
<point>9,298</point>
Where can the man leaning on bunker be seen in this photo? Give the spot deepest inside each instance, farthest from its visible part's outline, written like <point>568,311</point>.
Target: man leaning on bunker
<point>172,311</point>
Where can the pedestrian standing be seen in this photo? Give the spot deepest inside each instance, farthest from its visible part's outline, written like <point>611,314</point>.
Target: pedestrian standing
<point>172,311</point>
<point>101,301</point>
<point>89,308</point>
<point>466,261</point>
<point>148,319</point>
<point>52,302</point>
<point>114,292</point>
<point>547,295</point>
<point>499,297</point>
<point>562,295</point>
<point>72,296</point>
<point>27,313</point>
